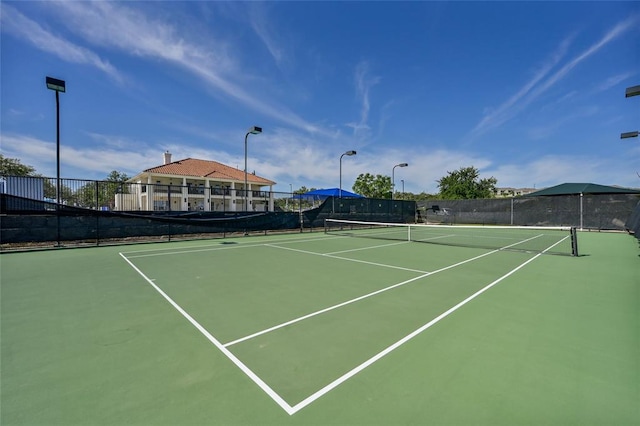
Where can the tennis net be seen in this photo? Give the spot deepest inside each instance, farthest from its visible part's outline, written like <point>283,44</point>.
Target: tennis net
<point>553,240</point>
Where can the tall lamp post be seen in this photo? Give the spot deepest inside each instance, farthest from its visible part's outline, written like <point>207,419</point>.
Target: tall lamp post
<point>57,86</point>
<point>393,184</point>
<point>252,131</point>
<point>340,187</point>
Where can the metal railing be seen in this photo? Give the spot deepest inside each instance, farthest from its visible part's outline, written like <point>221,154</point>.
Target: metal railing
<point>125,196</point>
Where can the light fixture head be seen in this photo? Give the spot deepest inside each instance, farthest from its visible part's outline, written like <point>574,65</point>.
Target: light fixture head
<point>350,153</point>
<point>254,130</point>
<point>403,164</point>
<point>55,84</point>
<point>632,91</point>
<point>627,135</point>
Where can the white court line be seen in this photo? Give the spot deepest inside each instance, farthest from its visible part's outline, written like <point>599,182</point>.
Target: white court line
<point>322,311</point>
<point>357,299</point>
<point>366,248</point>
<point>347,259</point>
<point>257,380</point>
<point>434,238</point>
<point>408,337</point>
<point>153,252</point>
<point>266,388</point>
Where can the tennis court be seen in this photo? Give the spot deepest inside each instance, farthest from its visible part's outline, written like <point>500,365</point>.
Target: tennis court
<point>316,328</point>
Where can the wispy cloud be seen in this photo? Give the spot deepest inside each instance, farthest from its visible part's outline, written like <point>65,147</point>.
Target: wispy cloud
<point>613,81</point>
<point>364,81</point>
<point>611,35</point>
<point>95,162</point>
<point>545,79</point>
<point>260,23</point>
<point>18,25</point>
<point>514,104</point>
<point>552,125</point>
<point>312,162</point>
<point>114,25</point>
<point>552,169</point>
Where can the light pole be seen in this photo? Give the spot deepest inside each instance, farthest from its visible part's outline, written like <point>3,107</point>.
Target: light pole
<point>57,86</point>
<point>252,131</point>
<point>402,180</point>
<point>393,176</point>
<point>340,187</point>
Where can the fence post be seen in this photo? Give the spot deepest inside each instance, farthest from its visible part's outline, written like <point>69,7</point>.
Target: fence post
<point>581,222</point>
<point>511,211</point>
<point>98,213</point>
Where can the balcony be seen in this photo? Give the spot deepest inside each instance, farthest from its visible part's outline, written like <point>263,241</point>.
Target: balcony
<point>196,190</point>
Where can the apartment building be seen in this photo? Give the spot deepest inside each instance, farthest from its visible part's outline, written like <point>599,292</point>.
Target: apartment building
<point>192,184</point>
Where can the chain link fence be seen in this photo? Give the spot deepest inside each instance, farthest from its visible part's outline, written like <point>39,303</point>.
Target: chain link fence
<point>100,212</point>
<point>587,211</point>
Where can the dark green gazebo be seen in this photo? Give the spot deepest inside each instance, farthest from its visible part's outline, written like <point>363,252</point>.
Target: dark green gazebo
<point>582,188</point>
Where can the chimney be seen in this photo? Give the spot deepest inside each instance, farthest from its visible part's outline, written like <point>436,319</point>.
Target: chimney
<point>167,157</point>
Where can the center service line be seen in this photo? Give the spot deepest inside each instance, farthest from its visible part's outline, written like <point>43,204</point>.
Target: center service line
<point>357,299</point>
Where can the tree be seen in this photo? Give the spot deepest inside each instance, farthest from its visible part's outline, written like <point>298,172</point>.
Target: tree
<point>421,196</point>
<point>464,184</point>
<point>116,176</point>
<point>303,190</point>
<point>13,167</point>
<point>102,193</point>
<point>370,186</point>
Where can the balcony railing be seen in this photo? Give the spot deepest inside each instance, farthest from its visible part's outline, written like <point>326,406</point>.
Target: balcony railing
<point>198,190</point>
<point>163,189</point>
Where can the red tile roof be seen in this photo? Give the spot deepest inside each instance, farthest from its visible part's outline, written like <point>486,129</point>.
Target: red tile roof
<point>206,169</point>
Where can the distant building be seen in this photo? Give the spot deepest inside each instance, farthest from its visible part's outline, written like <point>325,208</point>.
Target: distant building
<point>23,186</point>
<point>513,192</point>
<point>198,185</point>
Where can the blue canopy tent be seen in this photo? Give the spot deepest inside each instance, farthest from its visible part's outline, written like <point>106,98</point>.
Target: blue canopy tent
<point>322,194</point>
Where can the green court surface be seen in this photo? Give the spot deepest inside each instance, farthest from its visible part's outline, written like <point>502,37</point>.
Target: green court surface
<point>315,329</point>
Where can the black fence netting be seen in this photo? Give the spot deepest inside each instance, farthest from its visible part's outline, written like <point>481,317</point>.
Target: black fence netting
<point>368,209</point>
<point>633,223</point>
<point>589,211</point>
<point>28,221</point>
<point>32,221</point>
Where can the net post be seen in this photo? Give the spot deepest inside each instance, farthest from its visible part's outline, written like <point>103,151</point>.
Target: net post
<point>574,241</point>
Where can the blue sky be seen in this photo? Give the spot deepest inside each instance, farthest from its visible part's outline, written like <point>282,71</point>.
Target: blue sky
<point>531,93</point>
